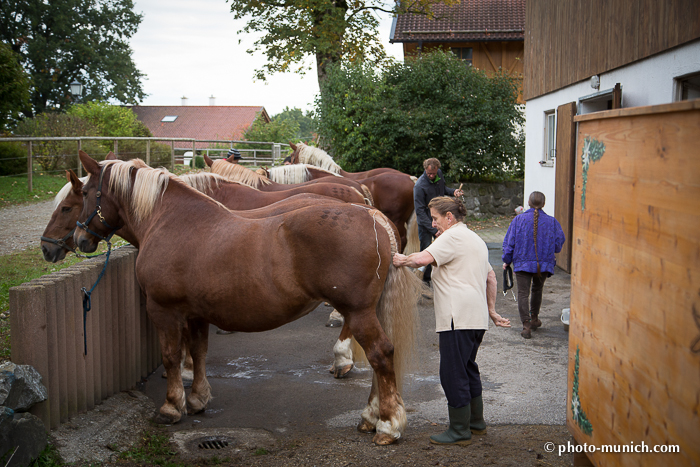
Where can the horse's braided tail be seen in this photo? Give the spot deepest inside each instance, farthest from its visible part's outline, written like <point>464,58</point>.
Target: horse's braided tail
<point>397,309</point>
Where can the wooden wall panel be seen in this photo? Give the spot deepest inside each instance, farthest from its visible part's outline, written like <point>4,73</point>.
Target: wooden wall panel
<point>635,296</point>
<point>565,178</point>
<point>567,41</point>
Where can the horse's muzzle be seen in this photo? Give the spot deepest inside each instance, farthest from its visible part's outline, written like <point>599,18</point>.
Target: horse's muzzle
<point>52,253</point>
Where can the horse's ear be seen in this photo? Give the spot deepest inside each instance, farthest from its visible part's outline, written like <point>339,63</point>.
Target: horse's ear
<point>110,156</point>
<point>90,164</point>
<point>231,159</point>
<point>208,160</point>
<point>293,146</point>
<point>74,180</point>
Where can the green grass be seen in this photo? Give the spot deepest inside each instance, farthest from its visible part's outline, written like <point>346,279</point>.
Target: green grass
<point>153,449</point>
<point>13,190</point>
<point>21,267</point>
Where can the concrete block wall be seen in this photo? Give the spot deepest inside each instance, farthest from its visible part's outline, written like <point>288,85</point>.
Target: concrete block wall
<point>48,333</point>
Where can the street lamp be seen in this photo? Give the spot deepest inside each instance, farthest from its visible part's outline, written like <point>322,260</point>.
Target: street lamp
<point>76,89</point>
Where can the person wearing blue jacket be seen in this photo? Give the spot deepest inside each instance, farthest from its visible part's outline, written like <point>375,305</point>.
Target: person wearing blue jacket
<point>532,239</point>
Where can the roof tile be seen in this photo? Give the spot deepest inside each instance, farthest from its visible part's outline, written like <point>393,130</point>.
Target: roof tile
<point>199,122</point>
<point>489,20</point>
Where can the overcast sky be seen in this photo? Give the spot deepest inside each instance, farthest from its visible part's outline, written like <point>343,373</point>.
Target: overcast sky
<point>191,49</point>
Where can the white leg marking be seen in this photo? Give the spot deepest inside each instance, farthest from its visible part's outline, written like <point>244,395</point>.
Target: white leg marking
<point>371,412</point>
<point>343,353</point>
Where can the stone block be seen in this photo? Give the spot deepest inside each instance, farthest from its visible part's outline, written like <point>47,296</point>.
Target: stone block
<point>20,387</point>
<point>22,438</point>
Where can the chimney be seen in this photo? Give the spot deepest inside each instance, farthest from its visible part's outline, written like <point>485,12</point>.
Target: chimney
<point>184,100</point>
<point>212,100</point>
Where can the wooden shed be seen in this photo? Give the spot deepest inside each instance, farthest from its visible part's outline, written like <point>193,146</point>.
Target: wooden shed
<point>634,344</point>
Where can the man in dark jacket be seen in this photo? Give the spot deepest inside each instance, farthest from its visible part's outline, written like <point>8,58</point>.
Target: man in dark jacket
<point>430,185</point>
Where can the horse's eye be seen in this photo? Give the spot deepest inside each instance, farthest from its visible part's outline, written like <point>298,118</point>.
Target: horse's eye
<point>66,208</point>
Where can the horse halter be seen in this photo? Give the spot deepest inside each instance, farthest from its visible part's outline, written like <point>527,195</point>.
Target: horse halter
<point>98,213</point>
<point>62,241</point>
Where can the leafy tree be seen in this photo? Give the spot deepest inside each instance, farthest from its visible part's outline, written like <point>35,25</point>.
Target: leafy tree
<point>110,120</point>
<point>14,87</point>
<point>328,30</point>
<point>276,131</point>
<point>64,40</point>
<point>306,122</point>
<point>432,106</point>
<point>55,155</point>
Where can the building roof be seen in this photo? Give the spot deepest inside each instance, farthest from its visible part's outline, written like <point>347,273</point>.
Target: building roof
<point>199,122</point>
<point>468,21</point>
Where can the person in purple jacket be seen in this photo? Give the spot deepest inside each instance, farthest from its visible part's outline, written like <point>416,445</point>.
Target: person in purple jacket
<point>532,239</point>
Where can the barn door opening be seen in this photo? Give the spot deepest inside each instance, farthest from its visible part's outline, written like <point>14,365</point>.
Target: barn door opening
<point>565,179</point>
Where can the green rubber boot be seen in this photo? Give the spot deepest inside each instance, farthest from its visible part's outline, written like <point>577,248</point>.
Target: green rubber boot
<point>477,424</point>
<point>458,432</point>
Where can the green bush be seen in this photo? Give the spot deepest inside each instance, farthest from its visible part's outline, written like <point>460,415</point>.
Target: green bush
<point>198,162</point>
<point>13,159</point>
<point>434,105</point>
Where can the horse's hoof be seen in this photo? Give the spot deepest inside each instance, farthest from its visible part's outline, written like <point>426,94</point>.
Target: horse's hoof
<point>343,372</point>
<point>161,419</point>
<point>193,411</point>
<point>382,439</point>
<point>332,369</point>
<point>334,323</point>
<point>365,427</point>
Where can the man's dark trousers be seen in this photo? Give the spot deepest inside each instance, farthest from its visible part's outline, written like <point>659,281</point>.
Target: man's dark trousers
<point>426,238</point>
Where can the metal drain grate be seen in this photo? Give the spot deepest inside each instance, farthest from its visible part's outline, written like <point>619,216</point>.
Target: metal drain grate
<point>213,443</point>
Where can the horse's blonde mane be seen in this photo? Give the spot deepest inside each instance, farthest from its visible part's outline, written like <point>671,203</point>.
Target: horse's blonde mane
<point>149,185</point>
<point>317,157</point>
<point>63,192</point>
<point>238,173</point>
<point>207,182</point>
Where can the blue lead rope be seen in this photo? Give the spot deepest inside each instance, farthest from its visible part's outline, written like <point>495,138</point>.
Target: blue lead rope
<point>87,303</point>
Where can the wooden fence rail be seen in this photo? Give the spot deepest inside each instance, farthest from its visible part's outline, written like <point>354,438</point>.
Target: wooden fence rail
<point>48,333</point>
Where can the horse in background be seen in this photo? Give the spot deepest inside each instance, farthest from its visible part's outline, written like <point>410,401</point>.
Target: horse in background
<point>239,173</point>
<point>351,268</point>
<point>392,191</point>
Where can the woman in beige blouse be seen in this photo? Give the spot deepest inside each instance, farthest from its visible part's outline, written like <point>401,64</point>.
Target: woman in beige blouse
<point>465,297</point>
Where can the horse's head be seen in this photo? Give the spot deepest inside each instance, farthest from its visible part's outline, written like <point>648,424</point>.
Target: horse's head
<point>99,217</point>
<point>57,238</point>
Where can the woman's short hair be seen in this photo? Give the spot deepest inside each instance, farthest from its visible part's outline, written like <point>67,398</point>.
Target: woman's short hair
<point>432,162</point>
<point>445,204</point>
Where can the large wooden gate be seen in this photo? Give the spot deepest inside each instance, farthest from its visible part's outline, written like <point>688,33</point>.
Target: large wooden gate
<point>634,341</point>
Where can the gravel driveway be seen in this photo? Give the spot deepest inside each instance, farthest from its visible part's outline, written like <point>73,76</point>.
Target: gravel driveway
<point>21,226</point>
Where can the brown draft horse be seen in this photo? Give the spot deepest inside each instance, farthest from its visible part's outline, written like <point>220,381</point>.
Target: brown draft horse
<point>235,196</point>
<point>392,191</point>
<point>340,253</point>
<point>238,173</point>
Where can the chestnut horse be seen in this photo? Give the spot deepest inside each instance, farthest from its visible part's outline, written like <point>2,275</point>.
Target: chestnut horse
<point>392,191</point>
<point>340,253</point>
<point>233,195</point>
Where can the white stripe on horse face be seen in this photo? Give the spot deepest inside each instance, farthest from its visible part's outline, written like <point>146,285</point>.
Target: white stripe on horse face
<point>343,353</point>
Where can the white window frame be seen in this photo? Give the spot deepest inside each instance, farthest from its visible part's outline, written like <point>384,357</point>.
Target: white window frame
<point>678,86</point>
<point>550,139</point>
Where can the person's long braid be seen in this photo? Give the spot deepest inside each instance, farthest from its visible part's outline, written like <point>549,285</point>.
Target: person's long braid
<point>534,234</point>
<point>536,202</point>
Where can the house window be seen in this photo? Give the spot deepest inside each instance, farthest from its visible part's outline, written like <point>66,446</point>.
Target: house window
<point>550,132</point>
<point>465,53</point>
<point>687,87</point>
<point>169,118</point>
